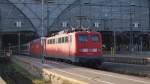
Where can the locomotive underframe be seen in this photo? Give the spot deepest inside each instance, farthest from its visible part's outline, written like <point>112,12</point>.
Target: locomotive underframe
<point>80,59</point>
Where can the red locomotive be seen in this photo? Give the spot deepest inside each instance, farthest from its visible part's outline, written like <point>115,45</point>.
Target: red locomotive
<point>77,46</point>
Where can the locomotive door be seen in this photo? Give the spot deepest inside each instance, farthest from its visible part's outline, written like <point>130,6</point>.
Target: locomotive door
<point>70,40</point>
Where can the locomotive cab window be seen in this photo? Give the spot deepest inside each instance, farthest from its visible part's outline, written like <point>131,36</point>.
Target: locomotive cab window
<point>95,38</point>
<point>59,40</point>
<point>82,38</point>
<point>63,39</point>
<point>66,39</point>
<point>50,41</point>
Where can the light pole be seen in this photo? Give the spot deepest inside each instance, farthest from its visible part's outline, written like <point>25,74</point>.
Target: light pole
<point>80,11</point>
<point>42,35</point>
<point>141,44</point>
<point>19,24</point>
<point>114,51</point>
<point>9,44</point>
<point>42,39</point>
<point>19,40</point>
<point>131,28</point>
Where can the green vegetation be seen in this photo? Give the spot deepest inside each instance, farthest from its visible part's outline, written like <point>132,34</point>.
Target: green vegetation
<point>34,79</point>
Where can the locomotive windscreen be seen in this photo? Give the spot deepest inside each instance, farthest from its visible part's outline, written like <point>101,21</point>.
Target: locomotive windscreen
<point>83,38</point>
<point>95,38</point>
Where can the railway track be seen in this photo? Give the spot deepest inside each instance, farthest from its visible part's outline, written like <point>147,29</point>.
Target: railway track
<point>11,76</point>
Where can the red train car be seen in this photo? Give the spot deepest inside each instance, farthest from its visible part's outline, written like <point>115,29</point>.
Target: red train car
<point>76,46</point>
<point>79,46</point>
<point>35,48</point>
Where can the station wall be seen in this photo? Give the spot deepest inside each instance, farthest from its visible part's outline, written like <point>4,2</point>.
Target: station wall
<point>105,15</point>
<point>10,15</point>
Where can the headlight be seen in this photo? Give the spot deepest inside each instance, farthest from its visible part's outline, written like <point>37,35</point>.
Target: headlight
<point>84,50</point>
<point>93,50</point>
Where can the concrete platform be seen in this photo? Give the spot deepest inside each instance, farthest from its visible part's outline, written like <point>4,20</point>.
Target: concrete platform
<point>128,58</point>
<point>62,73</point>
<point>131,69</point>
<point>2,81</point>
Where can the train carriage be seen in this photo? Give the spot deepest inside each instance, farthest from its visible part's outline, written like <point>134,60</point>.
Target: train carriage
<point>35,48</point>
<point>76,46</point>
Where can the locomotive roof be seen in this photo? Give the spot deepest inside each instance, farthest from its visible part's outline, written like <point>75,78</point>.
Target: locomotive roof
<point>72,30</point>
